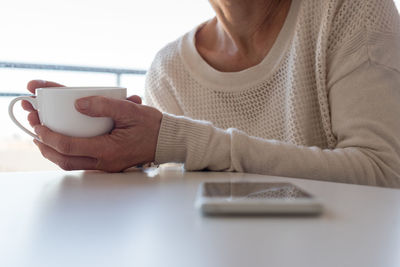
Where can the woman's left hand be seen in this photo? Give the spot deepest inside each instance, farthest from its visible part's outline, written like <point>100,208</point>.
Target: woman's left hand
<point>132,142</point>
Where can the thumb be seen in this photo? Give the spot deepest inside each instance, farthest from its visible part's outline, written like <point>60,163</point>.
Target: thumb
<point>100,106</point>
<point>135,98</point>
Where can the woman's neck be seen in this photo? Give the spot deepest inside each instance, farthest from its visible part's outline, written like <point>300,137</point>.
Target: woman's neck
<point>242,33</point>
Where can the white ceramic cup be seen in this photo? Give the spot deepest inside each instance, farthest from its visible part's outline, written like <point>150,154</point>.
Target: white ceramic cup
<point>56,108</point>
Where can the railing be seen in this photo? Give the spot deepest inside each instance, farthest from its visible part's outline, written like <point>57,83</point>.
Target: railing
<point>116,71</point>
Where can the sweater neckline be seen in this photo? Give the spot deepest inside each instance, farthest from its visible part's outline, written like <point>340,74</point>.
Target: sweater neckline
<point>236,81</point>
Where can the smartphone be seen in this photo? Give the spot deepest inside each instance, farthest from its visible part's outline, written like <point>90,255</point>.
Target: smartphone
<point>255,198</point>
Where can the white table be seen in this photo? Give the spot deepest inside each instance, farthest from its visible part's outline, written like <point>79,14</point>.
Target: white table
<point>147,219</point>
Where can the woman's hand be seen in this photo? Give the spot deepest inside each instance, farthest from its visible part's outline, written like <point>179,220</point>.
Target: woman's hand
<point>33,116</point>
<point>132,142</point>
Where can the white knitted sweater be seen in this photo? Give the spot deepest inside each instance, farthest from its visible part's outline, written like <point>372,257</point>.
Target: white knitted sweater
<point>323,104</point>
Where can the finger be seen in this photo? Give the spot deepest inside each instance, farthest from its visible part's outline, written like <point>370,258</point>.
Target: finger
<point>135,99</point>
<point>27,106</point>
<point>70,146</point>
<point>100,106</point>
<point>67,163</point>
<point>32,85</point>
<point>33,118</point>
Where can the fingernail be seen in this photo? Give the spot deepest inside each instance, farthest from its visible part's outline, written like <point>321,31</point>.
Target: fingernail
<point>82,103</point>
<point>40,83</point>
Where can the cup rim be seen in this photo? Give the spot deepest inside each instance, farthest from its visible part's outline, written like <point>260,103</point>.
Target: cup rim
<point>78,88</point>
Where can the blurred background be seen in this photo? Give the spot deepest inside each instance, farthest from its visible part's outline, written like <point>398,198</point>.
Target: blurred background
<point>90,43</point>
<point>118,35</point>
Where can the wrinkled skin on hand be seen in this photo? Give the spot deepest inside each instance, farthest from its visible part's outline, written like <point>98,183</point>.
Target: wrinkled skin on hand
<point>132,142</point>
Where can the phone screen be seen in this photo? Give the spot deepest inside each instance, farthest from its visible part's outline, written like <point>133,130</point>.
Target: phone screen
<point>253,190</point>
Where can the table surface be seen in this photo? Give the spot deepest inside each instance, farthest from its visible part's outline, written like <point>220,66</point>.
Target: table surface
<point>147,218</point>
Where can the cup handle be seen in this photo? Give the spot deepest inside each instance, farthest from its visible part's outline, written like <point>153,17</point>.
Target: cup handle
<point>31,100</point>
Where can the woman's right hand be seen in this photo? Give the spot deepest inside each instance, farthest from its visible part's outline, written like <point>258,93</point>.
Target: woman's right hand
<point>33,116</point>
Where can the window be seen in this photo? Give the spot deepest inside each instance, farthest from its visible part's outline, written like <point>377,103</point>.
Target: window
<point>94,33</point>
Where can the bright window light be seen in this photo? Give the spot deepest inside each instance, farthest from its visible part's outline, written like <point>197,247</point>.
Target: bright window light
<point>96,33</point>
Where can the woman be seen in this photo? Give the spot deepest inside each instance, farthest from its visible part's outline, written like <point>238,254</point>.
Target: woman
<point>301,88</point>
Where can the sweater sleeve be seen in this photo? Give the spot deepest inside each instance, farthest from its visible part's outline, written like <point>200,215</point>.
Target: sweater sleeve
<point>365,108</point>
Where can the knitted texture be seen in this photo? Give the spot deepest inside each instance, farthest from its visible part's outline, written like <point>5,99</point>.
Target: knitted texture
<point>289,105</point>
<point>286,97</point>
